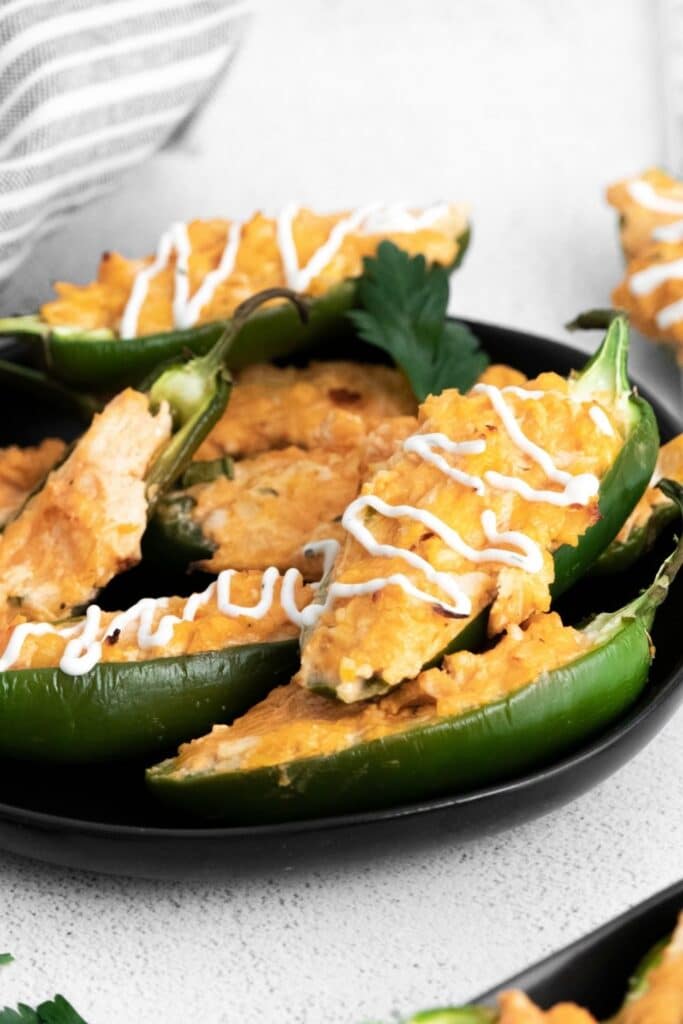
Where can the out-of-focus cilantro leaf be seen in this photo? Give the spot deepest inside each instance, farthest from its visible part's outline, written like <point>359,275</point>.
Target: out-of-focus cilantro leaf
<point>58,1011</point>
<point>55,1011</point>
<point>5,958</point>
<point>403,311</point>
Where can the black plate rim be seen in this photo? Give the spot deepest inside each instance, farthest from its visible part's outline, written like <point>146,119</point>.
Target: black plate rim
<point>60,823</point>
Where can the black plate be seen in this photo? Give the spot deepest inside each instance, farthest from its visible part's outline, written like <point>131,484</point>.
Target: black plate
<point>594,971</point>
<point>103,820</point>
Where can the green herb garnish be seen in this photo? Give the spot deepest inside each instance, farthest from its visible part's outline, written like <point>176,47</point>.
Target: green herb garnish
<point>403,312</point>
<point>5,958</point>
<point>55,1011</point>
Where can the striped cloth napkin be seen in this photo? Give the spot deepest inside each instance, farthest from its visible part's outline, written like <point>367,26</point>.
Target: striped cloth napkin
<point>89,89</point>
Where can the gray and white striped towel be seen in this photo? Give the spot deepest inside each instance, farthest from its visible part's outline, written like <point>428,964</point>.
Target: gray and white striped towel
<point>89,89</point>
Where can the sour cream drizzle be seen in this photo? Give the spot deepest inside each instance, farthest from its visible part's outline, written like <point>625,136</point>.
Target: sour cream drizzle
<point>83,649</point>
<point>645,194</point>
<point>374,218</point>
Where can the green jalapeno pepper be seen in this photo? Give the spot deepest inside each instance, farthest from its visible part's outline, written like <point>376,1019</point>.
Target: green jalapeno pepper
<point>129,709</point>
<point>638,982</point>
<point>455,1015</point>
<point>541,719</point>
<point>100,360</point>
<point>623,554</point>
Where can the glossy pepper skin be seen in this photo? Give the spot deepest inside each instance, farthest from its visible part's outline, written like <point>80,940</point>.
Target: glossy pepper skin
<point>131,709</point>
<point>101,361</point>
<point>540,720</point>
<point>622,555</point>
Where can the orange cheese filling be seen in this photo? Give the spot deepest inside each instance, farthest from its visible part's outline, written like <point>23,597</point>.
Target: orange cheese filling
<point>22,469</point>
<point>280,501</point>
<point>210,630</point>
<point>516,1008</point>
<point>392,634</point>
<point>85,524</point>
<point>258,265</point>
<point>293,723</point>
<point>325,405</point>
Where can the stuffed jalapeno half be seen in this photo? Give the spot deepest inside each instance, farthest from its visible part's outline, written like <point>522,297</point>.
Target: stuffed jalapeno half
<point>138,313</point>
<point>112,685</point>
<point>502,499</point>
<point>479,718</point>
<point>653,513</point>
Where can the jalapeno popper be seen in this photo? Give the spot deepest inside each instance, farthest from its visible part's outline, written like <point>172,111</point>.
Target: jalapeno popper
<point>118,684</point>
<point>479,718</point>
<point>180,298</point>
<point>653,513</point>
<point>503,497</point>
<point>650,208</point>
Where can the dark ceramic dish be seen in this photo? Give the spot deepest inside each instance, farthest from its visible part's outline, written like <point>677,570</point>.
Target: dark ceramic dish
<point>102,819</point>
<point>594,971</point>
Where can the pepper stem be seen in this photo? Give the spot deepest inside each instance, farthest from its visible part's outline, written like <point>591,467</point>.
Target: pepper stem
<point>186,385</point>
<point>217,355</point>
<point>607,370</point>
<point>197,392</point>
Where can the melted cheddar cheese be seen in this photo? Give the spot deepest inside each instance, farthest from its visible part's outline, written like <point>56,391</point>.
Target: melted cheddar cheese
<point>21,470</point>
<point>210,630</point>
<point>258,265</point>
<point>293,723</point>
<point>325,405</point>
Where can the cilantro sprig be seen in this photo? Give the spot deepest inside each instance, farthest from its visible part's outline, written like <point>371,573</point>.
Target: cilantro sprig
<point>55,1011</point>
<point>403,311</point>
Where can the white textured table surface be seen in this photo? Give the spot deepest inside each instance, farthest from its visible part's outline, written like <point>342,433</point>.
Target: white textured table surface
<point>527,110</point>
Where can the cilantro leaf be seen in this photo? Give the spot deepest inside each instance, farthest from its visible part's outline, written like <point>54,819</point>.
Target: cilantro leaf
<point>6,958</point>
<point>55,1011</point>
<point>403,312</point>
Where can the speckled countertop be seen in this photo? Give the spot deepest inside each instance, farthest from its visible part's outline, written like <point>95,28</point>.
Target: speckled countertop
<point>527,110</point>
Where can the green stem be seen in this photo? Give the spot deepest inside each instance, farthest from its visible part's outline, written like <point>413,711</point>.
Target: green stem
<point>593,319</point>
<point>608,368</point>
<point>197,393</point>
<point>218,354</point>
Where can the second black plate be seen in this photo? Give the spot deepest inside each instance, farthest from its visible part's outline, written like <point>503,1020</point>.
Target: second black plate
<point>594,971</point>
